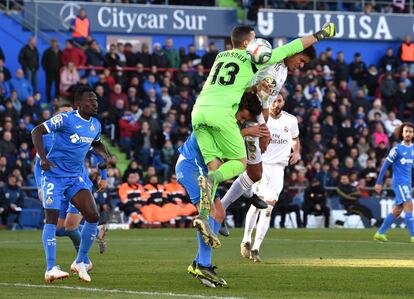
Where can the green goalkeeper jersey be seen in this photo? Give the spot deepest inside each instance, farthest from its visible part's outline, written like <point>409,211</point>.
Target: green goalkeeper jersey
<point>231,74</point>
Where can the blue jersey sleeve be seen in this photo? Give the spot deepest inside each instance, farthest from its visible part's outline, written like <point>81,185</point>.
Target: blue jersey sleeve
<point>57,123</point>
<point>392,155</point>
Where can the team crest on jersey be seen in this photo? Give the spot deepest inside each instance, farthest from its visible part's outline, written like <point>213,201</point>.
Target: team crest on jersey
<point>49,201</point>
<point>92,128</point>
<point>412,153</point>
<point>286,129</point>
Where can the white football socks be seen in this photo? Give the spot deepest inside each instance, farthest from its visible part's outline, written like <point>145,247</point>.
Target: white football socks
<point>262,226</point>
<point>251,219</point>
<point>239,186</point>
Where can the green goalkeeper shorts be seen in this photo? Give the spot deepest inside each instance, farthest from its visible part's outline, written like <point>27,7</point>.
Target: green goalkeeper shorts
<point>218,134</point>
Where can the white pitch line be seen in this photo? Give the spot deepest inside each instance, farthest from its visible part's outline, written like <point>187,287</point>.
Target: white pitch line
<point>117,291</point>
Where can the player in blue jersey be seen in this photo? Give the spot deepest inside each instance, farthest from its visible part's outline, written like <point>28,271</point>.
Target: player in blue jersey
<point>74,133</point>
<point>190,165</point>
<point>401,157</point>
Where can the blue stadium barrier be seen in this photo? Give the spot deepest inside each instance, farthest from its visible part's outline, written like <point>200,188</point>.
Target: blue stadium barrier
<point>31,218</point>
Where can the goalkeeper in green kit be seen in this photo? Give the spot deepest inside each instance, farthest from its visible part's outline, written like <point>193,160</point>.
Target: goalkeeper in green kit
<point>213,117</point>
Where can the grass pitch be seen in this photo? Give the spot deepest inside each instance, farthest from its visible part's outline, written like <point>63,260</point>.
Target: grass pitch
<point>152,264</point>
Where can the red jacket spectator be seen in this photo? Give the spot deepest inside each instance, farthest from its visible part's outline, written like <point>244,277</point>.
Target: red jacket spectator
<point>74,54</point>
<point>127,126</point>
<point>117,94</point>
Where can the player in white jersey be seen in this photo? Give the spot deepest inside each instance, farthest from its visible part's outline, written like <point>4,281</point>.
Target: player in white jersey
<point>275,75</point>
<point>284,149</point>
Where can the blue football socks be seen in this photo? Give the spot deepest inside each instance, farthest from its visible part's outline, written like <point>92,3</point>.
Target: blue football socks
<point>388,221</point>
<point>88,235</point>
<point>49,245</point>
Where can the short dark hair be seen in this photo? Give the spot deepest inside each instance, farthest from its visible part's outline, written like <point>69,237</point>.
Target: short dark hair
<point>401,129</point>
<point>81,91</point>
<point>239,34</point>
<point>251,102</point>
<point>310,52</point>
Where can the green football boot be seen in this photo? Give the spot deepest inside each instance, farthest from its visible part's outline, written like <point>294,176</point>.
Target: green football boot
<point>382,237</point>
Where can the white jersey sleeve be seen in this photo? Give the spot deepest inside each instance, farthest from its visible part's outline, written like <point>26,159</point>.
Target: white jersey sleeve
<point>294,129</point>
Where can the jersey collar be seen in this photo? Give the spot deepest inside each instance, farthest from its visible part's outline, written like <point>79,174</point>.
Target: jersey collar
<point>78,115</point>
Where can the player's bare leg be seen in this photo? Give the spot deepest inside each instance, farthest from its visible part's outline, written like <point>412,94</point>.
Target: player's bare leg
<point>85,203</point>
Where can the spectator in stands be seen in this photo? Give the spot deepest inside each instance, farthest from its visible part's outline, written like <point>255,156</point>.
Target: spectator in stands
<point>358,71</point>
<point>73,54</point>
<point>7,146</point>
<point>158,57</point>
<point>4,171</point>
<point>371,81</point>
<point>284,207</point>
<point>68,77</point>
<point>11,200</point>
<point>133,166</point>
<point>403,99</point>
<point>404,77</point>
<point>94,55</point>
<point>171,53</point>
<point>15,101</point>
<point>117,94</point>
<point>128,125</point>
<point>4,92</point>
<point>191,58</point>
<point>130,55</point>
<point>31,108</point>
<point>406,53</point>
<point>151,83</point>
<point>388,89</point>
<point>379,136</point>
<point>310,88</point>
<point>388,62</point>
<point>51,63</point>
<point>21,85</point>
<point>315,202</point>
<point>392,123</point>
<point>341,68</point>
<point>208,58</point>
<point>144,57</point>
<point>120,52</point>
<point>29,60</point>
<point>80,28</point>
<point>133,196</point>
<point>112,58</point>
<point>5,71</point>
<point>348,197</point>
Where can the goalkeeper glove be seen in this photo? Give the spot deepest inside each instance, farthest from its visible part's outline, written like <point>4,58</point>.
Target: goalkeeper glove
<point>328,30</point>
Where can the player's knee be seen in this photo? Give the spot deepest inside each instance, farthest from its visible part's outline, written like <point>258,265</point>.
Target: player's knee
<point>51,216</point>
<point>254,174</point>
<point>91,217</point>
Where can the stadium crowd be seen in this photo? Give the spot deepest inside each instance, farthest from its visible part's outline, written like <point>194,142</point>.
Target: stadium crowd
<point>347,114</point>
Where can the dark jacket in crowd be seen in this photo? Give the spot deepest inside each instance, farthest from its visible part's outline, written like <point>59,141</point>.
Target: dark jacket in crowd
<point>51,60</point>
<point>29,58</point>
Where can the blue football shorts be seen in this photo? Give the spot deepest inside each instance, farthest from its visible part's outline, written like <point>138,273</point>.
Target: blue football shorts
<point>187,172</point>
<point>402,194</point>
<point>57,192</point>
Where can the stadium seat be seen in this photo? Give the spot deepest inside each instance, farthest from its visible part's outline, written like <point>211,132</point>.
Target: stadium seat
<point>31,218</point>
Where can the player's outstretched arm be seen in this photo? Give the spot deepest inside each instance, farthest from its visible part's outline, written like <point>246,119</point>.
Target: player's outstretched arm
<point>299,44</point>
<point>37,138</point>
<point>101,150</point>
